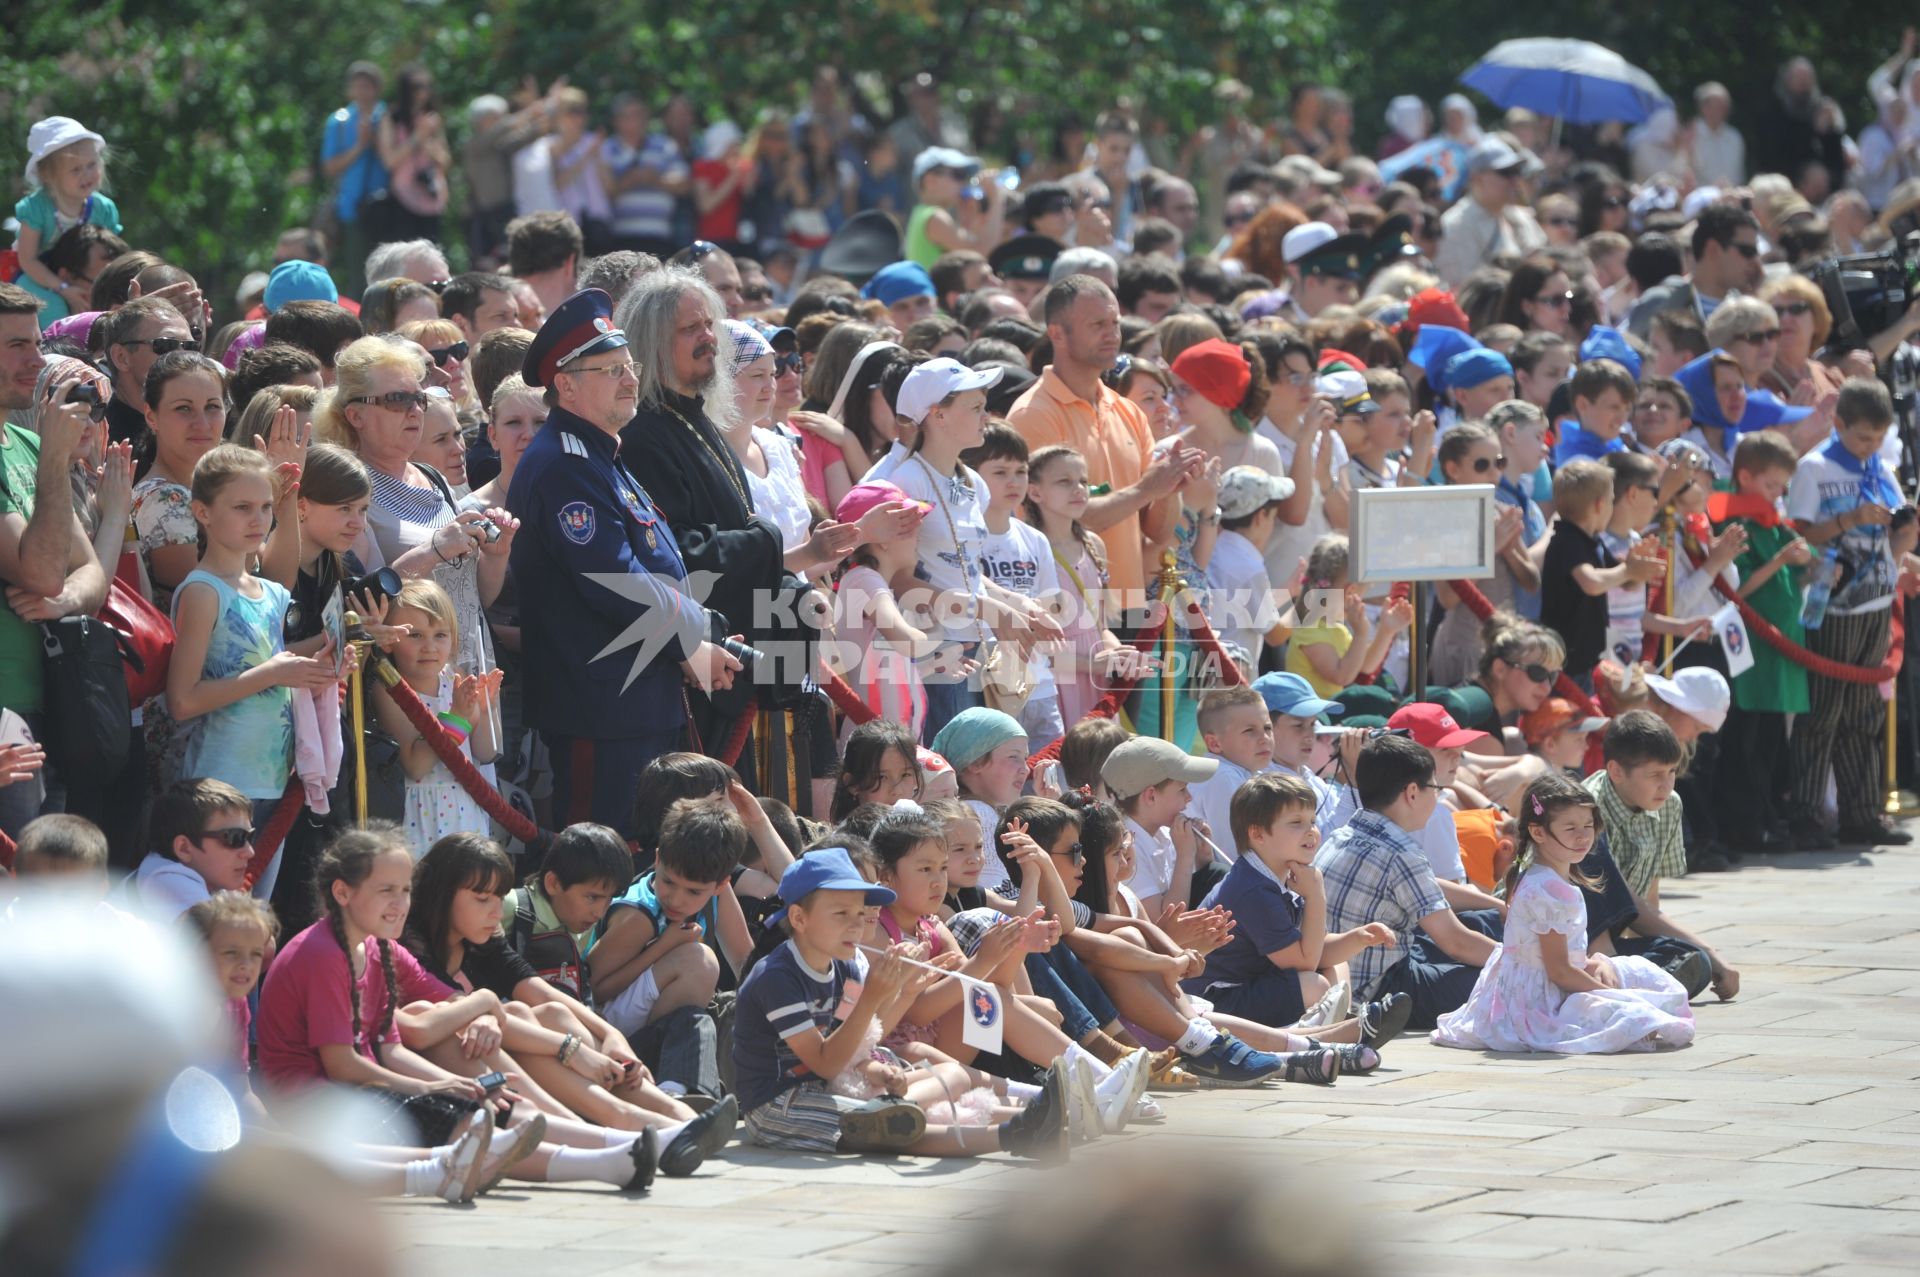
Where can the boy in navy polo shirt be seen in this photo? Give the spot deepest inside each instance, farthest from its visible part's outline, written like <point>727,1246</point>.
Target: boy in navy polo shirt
<point>1281,959</point>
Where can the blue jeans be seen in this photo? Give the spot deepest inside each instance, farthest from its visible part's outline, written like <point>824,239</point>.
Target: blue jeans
<point>1063,980</point>
<point>946,697</point>
<point>1437,983</point>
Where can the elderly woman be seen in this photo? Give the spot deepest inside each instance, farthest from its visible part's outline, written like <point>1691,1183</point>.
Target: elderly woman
<point>1749,330</point>
<point>414,525</point>
<point>1801,310</point>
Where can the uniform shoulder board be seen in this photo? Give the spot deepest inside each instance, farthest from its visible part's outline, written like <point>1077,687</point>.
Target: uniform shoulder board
<point>572,445</point>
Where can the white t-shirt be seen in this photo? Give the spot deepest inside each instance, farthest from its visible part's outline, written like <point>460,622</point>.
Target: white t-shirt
<point>1626,605</point>
<point>1290,544</point>
<point>1021,561</point>
<point>1211,800</point>
<point>1153,858</point>
<point>781,497</point>
<point>1822,489</point>
<point>1242,608</point>
<point>951,538</point>
<point>995,876</point>
<point>162,889</point>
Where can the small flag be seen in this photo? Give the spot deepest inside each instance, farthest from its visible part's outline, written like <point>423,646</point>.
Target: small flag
<point>985,1016</point>
<point>1734,640</point>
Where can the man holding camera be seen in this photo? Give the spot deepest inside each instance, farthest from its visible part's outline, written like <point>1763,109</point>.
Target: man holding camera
<point>608,627</point>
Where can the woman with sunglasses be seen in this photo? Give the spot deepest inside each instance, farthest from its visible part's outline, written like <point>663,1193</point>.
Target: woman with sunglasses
<point>1801,313</point>
<point>1747,329</point>
<point>447,351</point>
<point>1538,298</point>
<point>1470,453</point>
<point>414,525</point>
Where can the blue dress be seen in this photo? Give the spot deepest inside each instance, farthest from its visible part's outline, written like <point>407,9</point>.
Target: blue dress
<point>248,744</point>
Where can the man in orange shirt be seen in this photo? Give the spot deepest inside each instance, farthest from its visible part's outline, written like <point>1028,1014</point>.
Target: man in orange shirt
<point>1070,405</point>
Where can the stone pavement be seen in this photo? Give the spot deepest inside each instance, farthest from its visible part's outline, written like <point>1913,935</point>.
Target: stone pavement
<point>1785,1140</point>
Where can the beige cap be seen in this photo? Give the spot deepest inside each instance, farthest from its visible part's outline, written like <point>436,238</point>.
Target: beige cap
<point>1145,761</point>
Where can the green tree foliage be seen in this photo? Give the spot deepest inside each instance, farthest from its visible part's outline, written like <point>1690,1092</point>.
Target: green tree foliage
<point>215,109</point>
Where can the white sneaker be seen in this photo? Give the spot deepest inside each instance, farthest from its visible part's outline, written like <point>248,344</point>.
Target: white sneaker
<point>1330,1009</point>
<point>1083,1106</point>
<point>1122,1091</point>
<point>1148,1110</point>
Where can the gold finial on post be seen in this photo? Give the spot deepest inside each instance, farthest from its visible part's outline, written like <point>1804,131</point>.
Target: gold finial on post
<point>1170,587</point>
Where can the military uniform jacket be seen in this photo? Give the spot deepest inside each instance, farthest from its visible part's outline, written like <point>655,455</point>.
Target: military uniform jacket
<point>583,515</point>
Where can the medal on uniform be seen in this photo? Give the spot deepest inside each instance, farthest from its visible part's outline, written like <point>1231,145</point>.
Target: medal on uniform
<point>652,542</point>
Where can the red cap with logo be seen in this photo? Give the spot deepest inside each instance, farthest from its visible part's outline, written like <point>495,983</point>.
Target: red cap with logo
<point>1431,726</point>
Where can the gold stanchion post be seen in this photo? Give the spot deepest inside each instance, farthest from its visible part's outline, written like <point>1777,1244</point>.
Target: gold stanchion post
<point>1893,805</point>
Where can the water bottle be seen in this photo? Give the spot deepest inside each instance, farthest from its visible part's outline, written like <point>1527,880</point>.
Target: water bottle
<point>1820,589</point>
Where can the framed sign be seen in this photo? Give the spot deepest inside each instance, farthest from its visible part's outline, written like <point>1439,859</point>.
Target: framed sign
<point>1422,534</point>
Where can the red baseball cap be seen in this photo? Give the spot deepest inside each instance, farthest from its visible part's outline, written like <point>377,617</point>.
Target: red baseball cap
<point>1432,727</point>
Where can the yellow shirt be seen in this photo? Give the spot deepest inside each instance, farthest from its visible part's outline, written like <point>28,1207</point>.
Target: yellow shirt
<point>1335,633</point>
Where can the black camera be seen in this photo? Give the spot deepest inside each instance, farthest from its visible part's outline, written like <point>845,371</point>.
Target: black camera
<point>88,392</point>
<point>381,583</point>
<point>740,652</point>
<point>1868,292</point>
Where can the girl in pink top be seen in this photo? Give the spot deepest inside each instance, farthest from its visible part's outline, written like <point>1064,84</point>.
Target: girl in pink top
<point>329,1013</point>
<point>879,645</point>
<point>1057,497</point>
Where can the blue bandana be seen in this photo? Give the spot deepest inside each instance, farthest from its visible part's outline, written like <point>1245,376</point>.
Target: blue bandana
<point>1476,367</point>
<point>1764,409</point>
<point>1875,484</point>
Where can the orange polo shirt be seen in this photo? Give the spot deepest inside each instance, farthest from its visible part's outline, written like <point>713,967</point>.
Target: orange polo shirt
<point>1114,437</point>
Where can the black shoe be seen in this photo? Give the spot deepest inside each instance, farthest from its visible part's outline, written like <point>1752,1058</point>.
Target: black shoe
<point>646,1159</point>
<point>1811,835</point>
<point>1381,1021</point>
<point>704,1135</point>
<point>1693,972</point>
<point>1874,835</point>
<point>1039,1130</point>
<point>882,1125</point>
<point>1706,860</point>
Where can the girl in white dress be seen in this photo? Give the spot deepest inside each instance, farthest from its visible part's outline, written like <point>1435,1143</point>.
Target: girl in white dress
<point>1541,990</point>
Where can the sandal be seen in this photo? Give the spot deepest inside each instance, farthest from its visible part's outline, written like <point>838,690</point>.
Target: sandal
<point>1355,1057</point>
<point>1319,1067</point>
<point>1165,1073</point>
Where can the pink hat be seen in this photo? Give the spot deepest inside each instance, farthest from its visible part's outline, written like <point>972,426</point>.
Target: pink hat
<point>74,328</point>
<point>251,338</point>
<point>863,497</point>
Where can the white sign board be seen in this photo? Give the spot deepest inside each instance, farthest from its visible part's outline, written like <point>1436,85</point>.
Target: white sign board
<point>1422,534</point>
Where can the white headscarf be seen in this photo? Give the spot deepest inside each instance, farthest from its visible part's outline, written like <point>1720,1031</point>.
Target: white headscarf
<point>1407,116</point>
<point>1462,103</point>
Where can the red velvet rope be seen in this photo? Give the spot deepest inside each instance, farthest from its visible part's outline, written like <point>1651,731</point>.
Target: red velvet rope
<point>448,750</point>
<point>267,841</point>
<point>7,851</point>
<point>1770,634</point>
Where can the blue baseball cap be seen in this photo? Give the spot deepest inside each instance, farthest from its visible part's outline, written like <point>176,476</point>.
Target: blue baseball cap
<point>298,281</point>
<point>898,282</point>
<point>1292,694</point>
<point>1603,342</point>
<point>829,869</point>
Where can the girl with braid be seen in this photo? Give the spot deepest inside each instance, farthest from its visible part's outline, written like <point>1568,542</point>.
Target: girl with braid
<point>329,1013</point>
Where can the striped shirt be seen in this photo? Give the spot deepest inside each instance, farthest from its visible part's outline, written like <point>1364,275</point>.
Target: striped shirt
<point>1647,845</point>
<point>782,998</point>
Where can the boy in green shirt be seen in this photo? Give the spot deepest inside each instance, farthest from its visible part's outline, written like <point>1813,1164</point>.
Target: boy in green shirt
<point>1752,779</point>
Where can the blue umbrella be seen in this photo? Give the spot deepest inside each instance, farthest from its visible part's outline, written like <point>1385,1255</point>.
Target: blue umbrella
<point>1576,81</point>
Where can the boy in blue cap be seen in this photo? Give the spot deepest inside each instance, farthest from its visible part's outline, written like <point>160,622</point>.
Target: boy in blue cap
<point>955,210</point>
<point>802,1018</point>
<point>906,290</point>
<point>1295,711</point>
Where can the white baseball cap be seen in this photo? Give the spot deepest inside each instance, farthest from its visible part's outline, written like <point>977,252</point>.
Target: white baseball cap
<point>1304,239</point>
<point>1348,390</point>
<point>1245,489</point>
<point>936,379</point>
<point>1698,692</point>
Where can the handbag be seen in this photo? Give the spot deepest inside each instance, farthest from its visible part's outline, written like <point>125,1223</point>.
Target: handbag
<point>1004,684</point>
<point>89,720</point>
<point>146,639</point>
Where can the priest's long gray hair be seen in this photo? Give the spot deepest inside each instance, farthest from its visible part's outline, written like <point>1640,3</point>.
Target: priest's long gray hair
<point>649,315</point>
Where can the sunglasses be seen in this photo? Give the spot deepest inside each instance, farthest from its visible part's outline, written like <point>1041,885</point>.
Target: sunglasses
<point>756,294</point>
<point>792,361</point>
<point>1238,219</point>
<point>1483,464</point>
<point>439,285</point>
<point>1783,309</point>
<point>1566,222</point>
<point>397,400</point>
<point>1554,299</point>
<point>1539,673</point>
<point>1760,338</point>
<point>232,839</point>
<point>443,354</point>
<point>1748,251</point>
<point>165,345</point>
<point>1073,854</point>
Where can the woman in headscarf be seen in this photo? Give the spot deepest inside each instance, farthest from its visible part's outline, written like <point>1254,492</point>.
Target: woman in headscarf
<point>1656,146</point>
<point>1408,122</point>
<point>1459,121</point>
